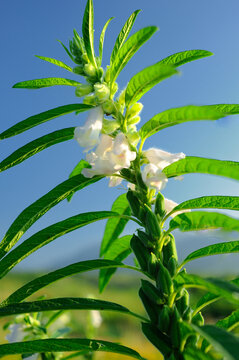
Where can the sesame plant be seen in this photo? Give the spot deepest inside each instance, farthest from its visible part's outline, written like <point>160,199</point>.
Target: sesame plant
<point>114,142</point>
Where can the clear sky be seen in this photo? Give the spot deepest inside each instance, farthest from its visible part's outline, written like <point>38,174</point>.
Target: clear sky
<point>31,28</point>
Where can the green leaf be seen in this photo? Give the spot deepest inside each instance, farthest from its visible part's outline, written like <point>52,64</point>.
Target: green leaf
<point>206,300</point>
<point>177,116</point>
<point>61,345</point>
<point>38,119</point>
<point>67,51</point>
<point>193,164</point>
<point>119,250</point>
<point>88,31</point>
<point>202,220</point>
<point>224,342</point>
<point>50,233</point>
<point>123,35</point>
<point>130,47</point>
<point>55,62</point>
<point>145,80</point>
<point>42,83</point>
<point>184,57</point>
<point>230,322</point>
<point>196,354</point>
<point>102,38</point>
<point>33,212</point>
<point>216,286</point>
<point>114,227</point>
<point>215,249</point>
<point>218,202</point>
<point>82,164</point>
<point>30,288</point>
<point>36,146</point>
<point>61,304</point>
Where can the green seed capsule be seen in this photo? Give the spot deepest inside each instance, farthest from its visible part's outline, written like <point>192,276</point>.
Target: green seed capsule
<point>140,251</point>
<point>164,281</point>
<point>164,319</point>
<point>183,303</point>
<point>172,266</point>
<point>159,205</point>
<point>152,292</point>
<point>133,202</point>
<point>169,249</point>
<point>176,322</point>
<point>157,338</point>
<point>150,307</point>
<point>145,238</point>
<point>153,265</point>
<point>152,224</point>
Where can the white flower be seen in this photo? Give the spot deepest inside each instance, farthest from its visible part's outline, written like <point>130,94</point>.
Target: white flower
<point>111,156</point>
<point>96,318</point>
<point>154,177</point>
<point>162,158</point>
<point>88,135</point>
<point>170,205</point>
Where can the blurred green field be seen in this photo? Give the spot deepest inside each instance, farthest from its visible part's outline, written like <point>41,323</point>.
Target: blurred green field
<point>116,327</point>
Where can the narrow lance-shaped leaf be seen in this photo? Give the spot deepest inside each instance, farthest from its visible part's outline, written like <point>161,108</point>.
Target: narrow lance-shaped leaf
<point>215,249</point>
<point>177,116</point>
<point>55,62</point>
<point>38,119</point>
<point>61,304</point>
<point>224,342</point>
<point>192,164</point>
<point>67,51</point>
<point>130,47</point>
<point>88,31</point>
<point>217,202</point>
<point>184,57</point>
<point>145,80</point>
<point>119,250</point>
<point>82,164</point>
<point>123,35</point>
<point>50,233</point>
<point>216,286</point>
<point>230,322</point>
<point>62,345</point>
<point>42,83</point>
<point>33,212</point>
<point>102,38</point>
<point>114,227</point>
<point>30,288</point>
<point>191,354</point>
<point>201,220</point>
<point>36,146</point>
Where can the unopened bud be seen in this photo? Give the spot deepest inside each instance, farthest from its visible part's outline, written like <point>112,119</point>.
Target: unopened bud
<point>102,92</point>
<point>89,70</point>
<point>109,126</point>
<point>135,110</point>
<point>107,74</point>
<point>85,58</point>
<point>108,107</point>
<point>134,120</point>
<point>114,88</point>
<point>78,70</point>
<point>121,99</point>
<point>83,89</point>
<point>89,100</point>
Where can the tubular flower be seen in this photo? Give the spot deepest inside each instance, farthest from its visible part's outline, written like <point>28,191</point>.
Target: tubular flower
<point>88,135</point>
<point>162,158</point>
<point>154,177</point>
<point>110,156</point>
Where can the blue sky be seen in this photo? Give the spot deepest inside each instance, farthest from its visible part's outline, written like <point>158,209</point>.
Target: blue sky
<point>32,28</point>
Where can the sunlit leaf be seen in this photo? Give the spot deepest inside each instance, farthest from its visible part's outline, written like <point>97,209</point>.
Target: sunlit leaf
<point>201,220</point>
<point>226,343</point>
<point>145,80</point>
<point>36,146</point>
<point>88,31</point>
<point>192,164</point>
<point>33,212</point>
<point>50,233</point>
<point>119,250</point>
<point>38,119</point>
<point>177,116</point>
<point>114,227</point>
<point>55,62</point>
<point>192,354</point>
<point>130,47</point>
<point>61,345</point>
<point>184,57</point>
<point>42,83</point>
<point>216,286</point>
<point>30,288</point>
<point>215,249</point>
<point>123,35</point>
<point>229,322</point>
<point>82,164</point>
<point>102,37</point>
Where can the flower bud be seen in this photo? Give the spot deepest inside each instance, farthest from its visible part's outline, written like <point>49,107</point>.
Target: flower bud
<point>102,92</point>
<point>109,126</point>
<point>114,88</point>
<point>83,89</point>
<point>100,72</point>
<point>121,99</point>
<point>134,120</point>
<point>107,74</point>
<point>85,58</point>
<point>78,70</point>
<point>135,110</point>
<point>108,107</point>
<point>89,100</point>
<point>89,70</point>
